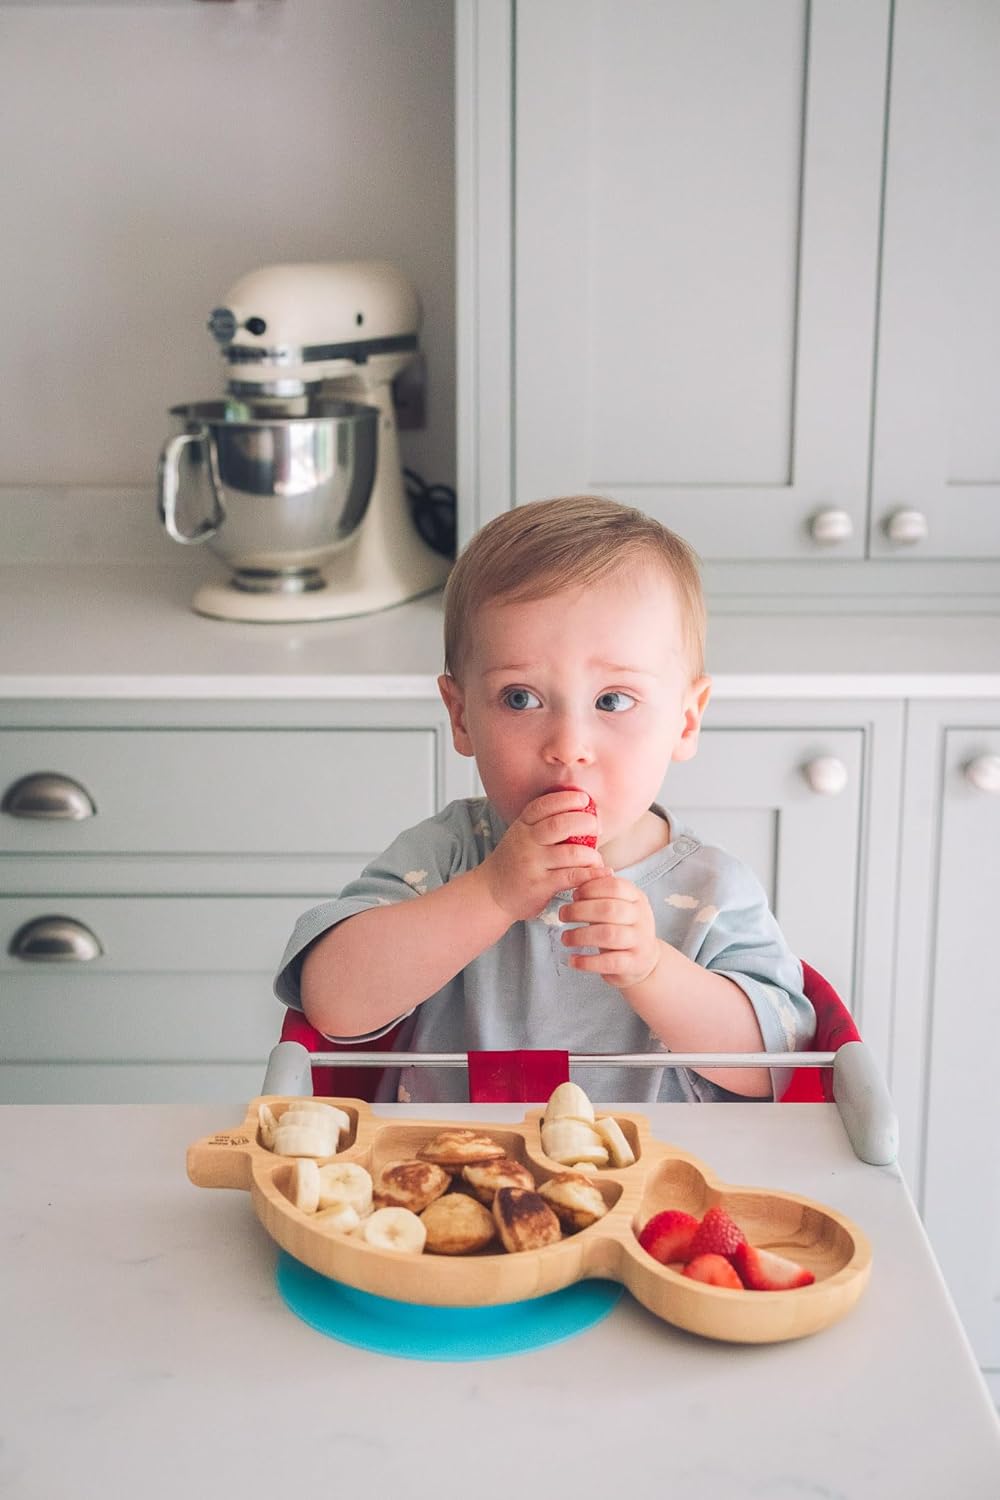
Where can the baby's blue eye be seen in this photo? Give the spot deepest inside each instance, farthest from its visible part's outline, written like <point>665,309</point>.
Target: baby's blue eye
<point>519,698</point>
<point>615,703</point>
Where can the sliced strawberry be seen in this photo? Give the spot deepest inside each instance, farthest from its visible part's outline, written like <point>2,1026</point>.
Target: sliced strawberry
<point>763,1271</point>
<point>667,1236</point>
<point>714,1270</point>
<point>717,1235</point>
<point>588,839</point>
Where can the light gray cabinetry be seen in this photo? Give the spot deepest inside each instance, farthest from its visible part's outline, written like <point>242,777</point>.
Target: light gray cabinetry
<point>696,249</point>
<point>676,285</point>
<point>139,941</point>
<point>937,410</point>
<point>948,1013</point>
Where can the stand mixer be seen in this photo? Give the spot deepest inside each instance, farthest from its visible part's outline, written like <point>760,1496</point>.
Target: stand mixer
<point>295,477</point>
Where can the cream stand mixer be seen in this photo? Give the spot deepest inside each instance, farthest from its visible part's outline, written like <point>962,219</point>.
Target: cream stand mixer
<point>295,478</point>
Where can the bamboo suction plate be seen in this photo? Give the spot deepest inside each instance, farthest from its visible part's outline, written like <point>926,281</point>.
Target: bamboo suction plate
<point>662,1177</point>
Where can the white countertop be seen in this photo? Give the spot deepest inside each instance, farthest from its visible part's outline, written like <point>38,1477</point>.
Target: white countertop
<point>126,630</point>
<point>148,1352</point>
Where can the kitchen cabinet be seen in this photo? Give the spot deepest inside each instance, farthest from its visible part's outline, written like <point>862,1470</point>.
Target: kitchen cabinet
<point>150,881</point>
<point>936,459</point>
<point>677,208</point>
<point>947,1020</point>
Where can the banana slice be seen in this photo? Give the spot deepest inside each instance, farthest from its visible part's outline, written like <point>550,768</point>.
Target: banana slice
<point>330,1112</point>
<point>613,1136</point>
<point>342,1219</point>
<point>304,1185</point>
<point>268,1125</point>
<point>344,1182</point>
<point>575,1200</point>
<point>312,1121</point>
<point>395,1229</point>
<point>569,1141</point>
<point>301,1140</point>
<point>569,1102</point>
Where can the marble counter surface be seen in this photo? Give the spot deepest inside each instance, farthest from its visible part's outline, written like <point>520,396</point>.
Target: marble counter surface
<point>126,630</point>
<point>149,1353</point>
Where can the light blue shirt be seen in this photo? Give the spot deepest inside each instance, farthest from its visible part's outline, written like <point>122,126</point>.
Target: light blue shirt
<point>521,993</point>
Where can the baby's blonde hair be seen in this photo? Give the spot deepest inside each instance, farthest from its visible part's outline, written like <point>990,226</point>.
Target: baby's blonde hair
<point>549,546</point>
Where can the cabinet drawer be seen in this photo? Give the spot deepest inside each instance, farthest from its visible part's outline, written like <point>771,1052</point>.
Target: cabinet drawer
<point>241,791</point>
<point>177,981</point>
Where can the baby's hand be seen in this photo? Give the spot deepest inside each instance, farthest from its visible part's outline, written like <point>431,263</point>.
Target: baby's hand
<point>532,861</point>
<point>619,922</point>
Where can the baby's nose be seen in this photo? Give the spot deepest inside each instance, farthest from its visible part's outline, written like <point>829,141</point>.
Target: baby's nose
<point>568,744</point>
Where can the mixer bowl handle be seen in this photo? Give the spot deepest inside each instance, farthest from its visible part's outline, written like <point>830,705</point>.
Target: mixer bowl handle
<point>169,483</point>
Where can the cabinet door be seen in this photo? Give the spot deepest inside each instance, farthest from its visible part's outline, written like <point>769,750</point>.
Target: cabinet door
<point>749,791</point>
<point>696,241</point>
<point>937,405</point>
<point>962,1175</point>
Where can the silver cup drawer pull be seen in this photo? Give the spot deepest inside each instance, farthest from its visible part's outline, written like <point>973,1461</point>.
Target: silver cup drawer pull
<point>55,940</point>
<point>46,794</point>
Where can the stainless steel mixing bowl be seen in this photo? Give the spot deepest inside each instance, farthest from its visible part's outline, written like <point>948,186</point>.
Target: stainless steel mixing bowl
<point>273,496</point>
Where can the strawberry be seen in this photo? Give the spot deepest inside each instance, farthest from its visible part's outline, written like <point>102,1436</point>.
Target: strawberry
<point>763,1271</point>
<point>714,1270</point>
<point>588,839</point>
<point>667,1236</point>
<point>717,1235</point>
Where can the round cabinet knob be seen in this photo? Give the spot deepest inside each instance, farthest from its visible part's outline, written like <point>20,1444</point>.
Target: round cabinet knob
<point>826,775</point>
<point>907,527</point>
<point>984,773</point>
<point>48,795</point>
<point>830,526</point>
<point>55,940</point>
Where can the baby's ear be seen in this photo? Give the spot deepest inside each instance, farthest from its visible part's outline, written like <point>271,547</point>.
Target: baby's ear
<point>695,703</point>
<point>454,702</point>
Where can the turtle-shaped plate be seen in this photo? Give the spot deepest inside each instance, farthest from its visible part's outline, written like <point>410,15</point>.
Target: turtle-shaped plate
<point>661,1177</point>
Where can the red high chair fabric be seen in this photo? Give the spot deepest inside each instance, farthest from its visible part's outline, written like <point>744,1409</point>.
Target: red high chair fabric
<point>834,1026</point>
<point>338,1082</point>
<point>530,1076</point>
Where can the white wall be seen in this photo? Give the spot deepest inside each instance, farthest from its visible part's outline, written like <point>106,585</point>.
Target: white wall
<point>154,152</point>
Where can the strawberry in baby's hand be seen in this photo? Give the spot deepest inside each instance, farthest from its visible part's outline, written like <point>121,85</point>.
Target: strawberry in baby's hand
<point>588,839</point>
<point>763,1271</point>
<point>667,1236</point>
<point>717,1235</point>
<point>714,1270</point>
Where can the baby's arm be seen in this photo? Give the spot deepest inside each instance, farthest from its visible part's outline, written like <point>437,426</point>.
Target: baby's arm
<point>686,1005</point>
<point>378,964</point>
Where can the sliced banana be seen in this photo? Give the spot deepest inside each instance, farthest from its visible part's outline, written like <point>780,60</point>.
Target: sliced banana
<point>301,1140</point>
<point>569,1141</point>
<point>613,1136</point>
<point>305,1117</point>
<point>345,1182</point>
<point>338,1117</point>
<point>342,1218</point>
<point>268,1125</point>
<point>395,1229</point>
<point>569,1102</point>
<point>575,1199</point>
<point>304,1185</point>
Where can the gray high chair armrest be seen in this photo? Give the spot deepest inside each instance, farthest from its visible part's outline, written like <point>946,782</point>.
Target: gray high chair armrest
<point>865,1104</point>
<point>289,1071</point>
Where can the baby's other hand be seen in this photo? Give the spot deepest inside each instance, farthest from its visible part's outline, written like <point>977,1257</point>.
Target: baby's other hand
<point>533,861</point>
<point>618,921</point>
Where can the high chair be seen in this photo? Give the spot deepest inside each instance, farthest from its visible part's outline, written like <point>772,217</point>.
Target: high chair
<point>841,1070</point>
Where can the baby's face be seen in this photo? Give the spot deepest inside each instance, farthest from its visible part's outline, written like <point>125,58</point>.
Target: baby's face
<point>589,687</point>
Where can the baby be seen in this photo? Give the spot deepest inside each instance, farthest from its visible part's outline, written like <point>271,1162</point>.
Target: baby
<point>567,908</point>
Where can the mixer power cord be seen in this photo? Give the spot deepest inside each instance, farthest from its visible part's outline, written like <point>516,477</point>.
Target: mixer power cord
<point>433,510</point>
